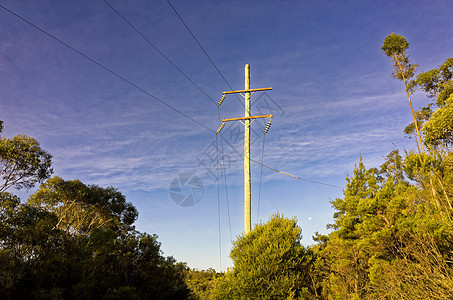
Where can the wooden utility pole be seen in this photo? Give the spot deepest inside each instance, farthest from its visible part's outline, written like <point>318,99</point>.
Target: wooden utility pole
<point>247,175</point>
<point>248,120</point>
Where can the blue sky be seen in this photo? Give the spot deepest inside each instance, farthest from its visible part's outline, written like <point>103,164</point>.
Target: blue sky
<point>333,99</point>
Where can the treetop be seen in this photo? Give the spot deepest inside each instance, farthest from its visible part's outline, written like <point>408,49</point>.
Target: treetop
<point>394,44</point>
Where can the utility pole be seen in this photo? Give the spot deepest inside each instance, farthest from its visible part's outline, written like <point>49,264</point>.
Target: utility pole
<point>248,120</point>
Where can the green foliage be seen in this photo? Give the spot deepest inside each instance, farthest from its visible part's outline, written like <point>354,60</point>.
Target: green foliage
<point>438,84</point>
<point>81,208</point>
<point>439,129</point>
<point>30,250</point>
<point>393,166</point>
<point>155,276</point>
<point>419,263</point>
<point>393,238</point>
<point>201,283</point>
<point>37,258</point>
<point>395,46</point>
<point>422,115</point>
<point>74,241</point>
<point>23,163</point>
<point>392,235</point>
<point>269,263</point>
<point>123,293</point>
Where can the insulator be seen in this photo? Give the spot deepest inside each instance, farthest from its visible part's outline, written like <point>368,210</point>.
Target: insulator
<point>220,128</point>
<point>221,100</point>
<point>267,127</point>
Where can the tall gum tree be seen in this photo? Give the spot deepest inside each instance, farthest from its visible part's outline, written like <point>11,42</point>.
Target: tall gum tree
<point>394,46</point>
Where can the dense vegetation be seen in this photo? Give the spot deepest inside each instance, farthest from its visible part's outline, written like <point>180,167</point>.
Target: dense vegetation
<point>73,241</point>
<point>392,235</point>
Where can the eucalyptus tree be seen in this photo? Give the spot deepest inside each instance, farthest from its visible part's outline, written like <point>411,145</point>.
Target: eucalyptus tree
<point>82,208</point>
<point>438,85</point>
<point>23,163</point>
<point>395,46</point>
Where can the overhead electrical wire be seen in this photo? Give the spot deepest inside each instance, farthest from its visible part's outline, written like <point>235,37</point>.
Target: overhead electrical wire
<point>106,68</point>
<point>207,55</point>
<point>158,50</point>
<point>146,92</point>
<point>261,178</point>
<point>218,202</point>
<point>224,79</point>
<point>212,62</point>
<point>296,177</point>
<point>160,100</point>
<point>202,49</point>
<point>225,179</point>
<point>199,88</point>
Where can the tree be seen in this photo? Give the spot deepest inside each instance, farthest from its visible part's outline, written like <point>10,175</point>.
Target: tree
<point>156,276</point>
<point>23,163</point>
<point>74,241</point>
<point>421,271</point>
<point>269,263</point>
<point>45,253</point>
<point>438,84</point>
<point>393,229</point>
<point>395,46</point>
<point>81,208</point>
<point>392,237</point>
<point>346,257</point>
<point>201,283</point>
<point>33,254</point>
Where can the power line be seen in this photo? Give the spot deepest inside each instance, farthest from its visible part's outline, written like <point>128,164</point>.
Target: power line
<point>261,179</point>
<point>202,49</point>
<point>218,203</point>
<point>207,55</point>
<point>197,86</point>
<point>212,100</point>
<point>144,91</point>
<point>105,68</point>
<point>223,77</point>
<point>159,51</point>
<point>225,180</point>
<point>296,177</point>
<point>218,111</point>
